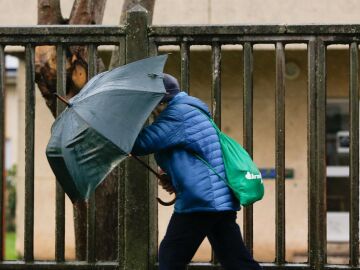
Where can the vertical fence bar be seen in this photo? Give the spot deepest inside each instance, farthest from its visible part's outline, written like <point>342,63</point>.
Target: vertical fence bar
<point>153,48</point>
<point>29,153</point>
<point>216,84</point>
<point>136,214</point>
<point>121,184</point>
<point>2,151</point>
<point>92,66</point>
<point>311,152</point>
<point>354,155</point>
<point>321,151</point>
<point>216,95</point>
<point>248,133</point>
<point>60,195</point>
<point>153,192</point>
<point>280,153</point>
<point>153,216</point>
<point>91,207</point>
<point>185,66</point>
<point>316,153</point>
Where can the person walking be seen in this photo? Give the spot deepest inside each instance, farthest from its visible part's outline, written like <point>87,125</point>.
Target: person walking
<point>205,206</point>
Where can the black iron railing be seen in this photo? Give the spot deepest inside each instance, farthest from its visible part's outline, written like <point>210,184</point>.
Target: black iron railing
<point>137,242</point>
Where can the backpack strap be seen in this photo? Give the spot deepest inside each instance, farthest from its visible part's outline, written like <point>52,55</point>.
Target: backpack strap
<point>210,167</point>
<point>218,132</point>
<point>210,119</point>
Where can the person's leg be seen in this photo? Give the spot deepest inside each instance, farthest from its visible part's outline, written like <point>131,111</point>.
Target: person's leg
<point>184,235</point>
<point>226,240</point>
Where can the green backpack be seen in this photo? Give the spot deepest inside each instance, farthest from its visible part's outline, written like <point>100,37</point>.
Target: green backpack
<point>243,177</point>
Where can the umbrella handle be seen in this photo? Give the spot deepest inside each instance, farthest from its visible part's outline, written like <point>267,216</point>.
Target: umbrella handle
<point>166,203</point>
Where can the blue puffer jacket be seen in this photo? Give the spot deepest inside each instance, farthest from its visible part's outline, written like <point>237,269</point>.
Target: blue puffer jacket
<point>178,132</point>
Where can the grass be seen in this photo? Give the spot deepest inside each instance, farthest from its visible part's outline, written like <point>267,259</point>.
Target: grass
<point>10,251</point>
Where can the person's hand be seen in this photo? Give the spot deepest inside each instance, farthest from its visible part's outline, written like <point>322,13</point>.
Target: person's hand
<point>165,183</point>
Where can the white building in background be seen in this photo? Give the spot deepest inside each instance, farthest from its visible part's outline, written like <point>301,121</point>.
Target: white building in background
<point>12,111</point>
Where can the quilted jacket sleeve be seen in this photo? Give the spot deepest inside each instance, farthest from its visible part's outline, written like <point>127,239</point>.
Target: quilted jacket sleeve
<point>166,132</point>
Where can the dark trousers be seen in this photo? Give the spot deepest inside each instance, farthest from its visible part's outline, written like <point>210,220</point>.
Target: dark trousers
<point>186,232</point>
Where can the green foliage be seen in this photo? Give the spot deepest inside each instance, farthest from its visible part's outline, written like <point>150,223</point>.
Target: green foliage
<point>11,199</point>
<point>10,252</point>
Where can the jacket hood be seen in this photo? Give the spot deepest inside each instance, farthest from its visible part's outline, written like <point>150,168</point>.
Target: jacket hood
<point>183,98</point>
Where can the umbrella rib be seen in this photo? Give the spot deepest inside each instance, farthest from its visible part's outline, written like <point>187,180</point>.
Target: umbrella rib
<point>64,100</point>
<point>105,91</point>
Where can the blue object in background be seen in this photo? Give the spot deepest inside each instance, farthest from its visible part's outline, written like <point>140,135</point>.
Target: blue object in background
<point>270,173</point>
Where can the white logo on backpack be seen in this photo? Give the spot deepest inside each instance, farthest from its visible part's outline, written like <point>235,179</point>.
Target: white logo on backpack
<point>251,176</point>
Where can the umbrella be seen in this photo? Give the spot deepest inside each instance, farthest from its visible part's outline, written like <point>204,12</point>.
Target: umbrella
<point>100,125</point>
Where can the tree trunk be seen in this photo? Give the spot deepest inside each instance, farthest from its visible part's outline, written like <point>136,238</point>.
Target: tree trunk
<point>83,12</point>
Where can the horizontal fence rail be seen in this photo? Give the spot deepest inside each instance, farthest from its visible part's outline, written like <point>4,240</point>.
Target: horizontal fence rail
<point>168,35</point>
<point>316,37</point>
<point>45,265</point>
<point>40,35</point>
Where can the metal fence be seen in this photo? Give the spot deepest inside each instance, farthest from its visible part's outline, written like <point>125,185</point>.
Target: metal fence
<point>137,243</point>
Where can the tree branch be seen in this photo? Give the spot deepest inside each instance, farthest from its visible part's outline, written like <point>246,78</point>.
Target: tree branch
<point>81,12</point>
<point>45,74</point>
<point>97,11</point>
<point>49,12</point>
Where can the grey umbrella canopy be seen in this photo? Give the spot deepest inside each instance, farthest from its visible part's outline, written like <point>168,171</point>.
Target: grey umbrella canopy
<point>101,123</point>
